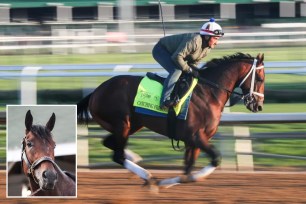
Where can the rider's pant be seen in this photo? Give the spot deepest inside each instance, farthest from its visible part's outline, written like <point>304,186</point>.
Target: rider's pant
<point>163,57</point>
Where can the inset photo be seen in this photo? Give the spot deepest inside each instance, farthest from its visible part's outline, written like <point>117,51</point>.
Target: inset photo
<point>41,151</point>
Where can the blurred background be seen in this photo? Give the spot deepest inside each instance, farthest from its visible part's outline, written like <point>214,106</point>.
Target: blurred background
<point>58,51</point>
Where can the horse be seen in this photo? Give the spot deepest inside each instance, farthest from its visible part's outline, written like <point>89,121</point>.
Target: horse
<point>111,106</point>
<point>37,161</point>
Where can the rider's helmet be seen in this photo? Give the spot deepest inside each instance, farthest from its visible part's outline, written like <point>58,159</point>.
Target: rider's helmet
<point>211,28</point>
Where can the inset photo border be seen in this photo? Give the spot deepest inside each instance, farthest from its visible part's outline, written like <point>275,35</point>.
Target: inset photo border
<point>41,151</point>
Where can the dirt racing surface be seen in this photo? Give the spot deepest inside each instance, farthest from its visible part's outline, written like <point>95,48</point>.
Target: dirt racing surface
<point>113,186</point>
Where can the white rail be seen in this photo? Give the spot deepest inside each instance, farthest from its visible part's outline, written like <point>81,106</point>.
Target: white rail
<point>262,118</point>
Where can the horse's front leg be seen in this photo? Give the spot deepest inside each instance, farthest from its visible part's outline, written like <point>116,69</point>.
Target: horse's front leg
<point>201,141</point>
<point>191,155</point>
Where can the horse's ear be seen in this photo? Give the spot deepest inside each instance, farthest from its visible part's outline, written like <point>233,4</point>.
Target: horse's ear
<point>51,122</point>
<point>260,57</point>
<point>28,120</point>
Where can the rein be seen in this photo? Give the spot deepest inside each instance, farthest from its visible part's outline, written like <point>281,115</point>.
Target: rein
<point>238,98</point>
<point>218,86</point>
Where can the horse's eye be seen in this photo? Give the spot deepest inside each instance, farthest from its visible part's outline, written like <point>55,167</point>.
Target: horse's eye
<point>259,79</point>
<point>54,146</point>
<point>29,144</point>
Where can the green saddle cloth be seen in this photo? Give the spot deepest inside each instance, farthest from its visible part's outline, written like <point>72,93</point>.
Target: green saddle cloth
<point>149,94</point>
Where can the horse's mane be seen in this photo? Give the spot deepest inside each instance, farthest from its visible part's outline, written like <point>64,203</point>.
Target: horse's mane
<point>41,131</point>
<point>219,62</point>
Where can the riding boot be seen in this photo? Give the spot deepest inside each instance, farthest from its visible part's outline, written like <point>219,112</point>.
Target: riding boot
<point>168,88</point>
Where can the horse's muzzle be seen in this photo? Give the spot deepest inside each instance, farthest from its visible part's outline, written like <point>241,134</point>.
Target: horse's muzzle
<point>49,179</point>
<point>253,105</point>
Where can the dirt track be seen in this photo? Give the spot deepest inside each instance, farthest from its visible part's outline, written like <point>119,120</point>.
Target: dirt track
<point>121,187</point>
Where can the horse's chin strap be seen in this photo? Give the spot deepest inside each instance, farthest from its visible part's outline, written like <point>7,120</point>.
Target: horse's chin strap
<point>253,72</point>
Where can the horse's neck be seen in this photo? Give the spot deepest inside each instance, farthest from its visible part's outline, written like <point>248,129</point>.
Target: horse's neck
<point>226,79</point>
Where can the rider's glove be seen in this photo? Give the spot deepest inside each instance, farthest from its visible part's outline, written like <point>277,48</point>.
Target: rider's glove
<point>193,72</point>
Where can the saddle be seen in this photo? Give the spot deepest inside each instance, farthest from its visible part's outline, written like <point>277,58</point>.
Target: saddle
<point>181,87</point>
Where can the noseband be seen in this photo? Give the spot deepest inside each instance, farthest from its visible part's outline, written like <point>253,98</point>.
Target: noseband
<point>32,166</point>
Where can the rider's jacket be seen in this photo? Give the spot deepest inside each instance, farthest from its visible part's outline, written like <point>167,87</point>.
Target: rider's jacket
<point>187,49</point>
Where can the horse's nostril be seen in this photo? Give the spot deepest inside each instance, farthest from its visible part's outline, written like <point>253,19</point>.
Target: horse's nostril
<point>44,174</point>
<point>49,175</point>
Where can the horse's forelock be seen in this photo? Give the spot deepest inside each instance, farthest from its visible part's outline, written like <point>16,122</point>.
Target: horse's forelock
<point>42,132</point>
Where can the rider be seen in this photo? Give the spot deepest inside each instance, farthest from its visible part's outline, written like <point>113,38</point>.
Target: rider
<point>182,53</point>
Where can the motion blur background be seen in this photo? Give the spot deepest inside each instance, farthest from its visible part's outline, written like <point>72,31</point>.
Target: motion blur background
<point>58,51</point>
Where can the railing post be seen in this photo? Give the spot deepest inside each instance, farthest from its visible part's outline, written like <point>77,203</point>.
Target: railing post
<point>28,85</point>
<point>243,149</point>
<point>227,148</point>
<point>83,156</point>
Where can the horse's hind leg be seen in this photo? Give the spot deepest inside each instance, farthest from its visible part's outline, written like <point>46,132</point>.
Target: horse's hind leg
<point>112,143</point>
<point>117,142</point>
<point>109,142</point>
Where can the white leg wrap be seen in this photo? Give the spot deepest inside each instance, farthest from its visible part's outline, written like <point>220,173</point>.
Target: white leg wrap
<point>132,156</point>
<point>141,172</point>
<point>206,171</point>
<point>170,182</point>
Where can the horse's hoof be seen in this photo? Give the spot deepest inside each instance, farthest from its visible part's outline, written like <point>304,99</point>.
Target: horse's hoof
<point>152,184</point>
<point>186,178</point>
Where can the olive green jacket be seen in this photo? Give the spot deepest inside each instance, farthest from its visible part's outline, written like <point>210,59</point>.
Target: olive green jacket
<point>187,49</point>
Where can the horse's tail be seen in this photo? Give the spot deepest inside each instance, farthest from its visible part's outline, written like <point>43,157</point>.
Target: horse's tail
<point>82,109</point>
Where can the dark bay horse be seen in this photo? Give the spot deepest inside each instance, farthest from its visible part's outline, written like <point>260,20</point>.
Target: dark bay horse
<point>111,106</point>
<point>37,158</point>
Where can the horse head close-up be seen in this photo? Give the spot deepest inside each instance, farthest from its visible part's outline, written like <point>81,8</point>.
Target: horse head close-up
<point>38,161</point>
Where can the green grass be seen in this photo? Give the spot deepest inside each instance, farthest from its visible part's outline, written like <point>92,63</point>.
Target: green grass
<point>273,81</point>
<point>2,144</point>
<point>276,108</point>
<point>161,148</point>
<point>271,54</point>
<point>160,152</point>
<point>289,147</point>
<point>157,152</point>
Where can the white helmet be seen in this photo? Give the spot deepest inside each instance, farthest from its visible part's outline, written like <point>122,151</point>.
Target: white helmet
<point>211,28</point>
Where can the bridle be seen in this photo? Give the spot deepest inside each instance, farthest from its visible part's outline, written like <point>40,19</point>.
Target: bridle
<point>250,97</point>
<point>31,166</point>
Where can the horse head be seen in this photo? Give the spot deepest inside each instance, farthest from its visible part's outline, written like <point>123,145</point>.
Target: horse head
<point>252,84</point>
<point>38,153</point>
